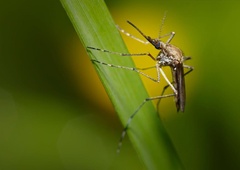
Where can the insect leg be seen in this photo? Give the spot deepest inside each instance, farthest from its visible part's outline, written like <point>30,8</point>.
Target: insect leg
<point>171,37</point>
<point>188,67</point>
<point>134,114</point>
<point>132,69</point>
<point>122,54</point>
<point>165,87</point>
<point>186,58</point>
<point>170,84</point>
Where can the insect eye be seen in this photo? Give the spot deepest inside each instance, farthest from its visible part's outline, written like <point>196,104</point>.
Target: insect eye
<point>156,44</point>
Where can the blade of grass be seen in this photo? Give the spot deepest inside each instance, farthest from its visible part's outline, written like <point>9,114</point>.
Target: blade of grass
<point>96,28</point>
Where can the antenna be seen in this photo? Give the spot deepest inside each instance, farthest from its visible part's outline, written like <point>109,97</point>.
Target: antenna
<point>162,23</point>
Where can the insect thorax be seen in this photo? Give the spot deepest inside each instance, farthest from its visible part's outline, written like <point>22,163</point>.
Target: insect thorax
<point>170,56</point>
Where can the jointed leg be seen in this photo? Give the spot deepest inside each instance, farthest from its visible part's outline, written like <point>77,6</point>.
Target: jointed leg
<point>122,54</point>
<point>165,87</point>
<point>188,67</point>
<point>134,114</point>
<point>132,69</point>
<point>171,37</point>
<point>169,84</point>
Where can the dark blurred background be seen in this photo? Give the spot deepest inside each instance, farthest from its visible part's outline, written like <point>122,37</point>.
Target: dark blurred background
<point>55,114</point>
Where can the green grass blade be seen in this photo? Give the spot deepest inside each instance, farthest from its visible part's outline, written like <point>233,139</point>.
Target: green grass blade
<point>95,27</point>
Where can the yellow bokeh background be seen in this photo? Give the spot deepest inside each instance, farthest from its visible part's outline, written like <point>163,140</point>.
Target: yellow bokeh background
<point>55,113</point>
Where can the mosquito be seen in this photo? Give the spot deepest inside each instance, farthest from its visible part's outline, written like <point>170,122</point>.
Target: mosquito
<point>169,55</point>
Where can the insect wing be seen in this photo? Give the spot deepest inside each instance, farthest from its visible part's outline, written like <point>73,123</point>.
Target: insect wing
<point>179,84</point>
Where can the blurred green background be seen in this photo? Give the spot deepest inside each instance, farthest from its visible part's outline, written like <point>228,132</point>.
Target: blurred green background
<point>54,113</point>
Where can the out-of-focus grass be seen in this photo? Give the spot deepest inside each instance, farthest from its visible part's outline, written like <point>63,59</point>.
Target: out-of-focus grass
<point>44,112</point>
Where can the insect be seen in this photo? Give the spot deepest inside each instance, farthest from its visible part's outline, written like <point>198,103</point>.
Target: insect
<point>169,55</point>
